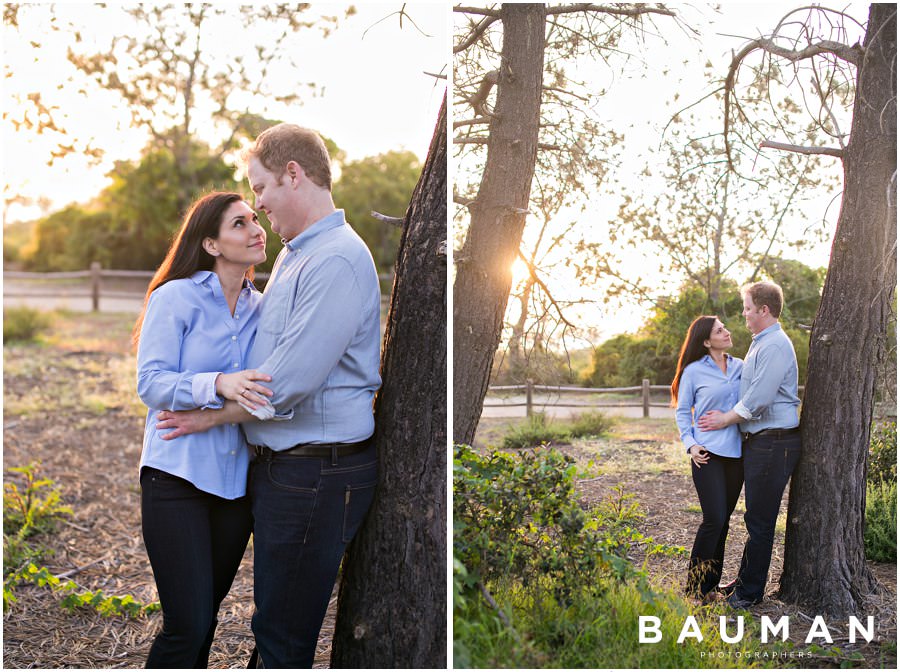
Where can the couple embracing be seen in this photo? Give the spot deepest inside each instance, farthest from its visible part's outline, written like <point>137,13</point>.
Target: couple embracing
<point>739,422</point>
<point>260,406</point>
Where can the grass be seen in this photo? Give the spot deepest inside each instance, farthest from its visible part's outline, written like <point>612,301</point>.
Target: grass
<point>600,629</point>
<point>538,430</point>
<point>89,359</point>
<point>22,324</point>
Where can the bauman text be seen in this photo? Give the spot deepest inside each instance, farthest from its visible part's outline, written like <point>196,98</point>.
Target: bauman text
<point>649,630</point>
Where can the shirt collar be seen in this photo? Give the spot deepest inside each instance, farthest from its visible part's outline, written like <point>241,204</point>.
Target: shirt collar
<point>203,277</point>
<point>768,330</point>
<point>708,358</point>
<point>327,223</point>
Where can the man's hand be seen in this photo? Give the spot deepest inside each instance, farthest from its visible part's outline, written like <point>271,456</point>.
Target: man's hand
<point>185,422</point>
<point>712,420</point>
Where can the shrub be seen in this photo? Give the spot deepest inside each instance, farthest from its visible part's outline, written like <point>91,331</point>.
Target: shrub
<point>880,531</point>
<point>536,431</point>
<point>23,324</point>
<point>592,423</point>
<point>883,453</point>
<point>33,509</point>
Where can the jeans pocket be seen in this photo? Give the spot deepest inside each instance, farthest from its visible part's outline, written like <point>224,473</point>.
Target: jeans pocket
<point>300,475</point>
<point>357,500</point>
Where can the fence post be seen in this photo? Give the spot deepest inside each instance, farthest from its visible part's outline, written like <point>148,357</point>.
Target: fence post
<point>529,385</point>
<point>95,286</point>
<point>645,396</point>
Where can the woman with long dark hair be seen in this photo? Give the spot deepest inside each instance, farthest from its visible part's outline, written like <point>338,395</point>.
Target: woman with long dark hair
<point>708,378</point>
<point>198,322</point>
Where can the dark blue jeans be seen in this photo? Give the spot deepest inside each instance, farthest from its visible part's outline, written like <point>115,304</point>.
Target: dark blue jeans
<point>195,542</point>
<point>768,464</point>
<point>718,484</point>
<point>305,511</point>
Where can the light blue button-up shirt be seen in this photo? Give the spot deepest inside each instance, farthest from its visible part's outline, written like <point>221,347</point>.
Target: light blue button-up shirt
<point>188,337</point>
<point>704,387</point>
<point>319,338</point>
<point>769,398</point>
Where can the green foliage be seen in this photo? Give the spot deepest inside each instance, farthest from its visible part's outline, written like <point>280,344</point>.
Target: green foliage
<point>74,598</point>
<point>21,323</point>
<point>592,423</point>
<point>516,518</point>
<point>384,184</point>
<point>539,582</point>
<point>880,531</point>
<point>538,430</point>
<point>27,511</point>
<point>131,223</point>
<point>16,236</point>
<point>33,509</point>
<point>883,453</point>
<point>626,359</point>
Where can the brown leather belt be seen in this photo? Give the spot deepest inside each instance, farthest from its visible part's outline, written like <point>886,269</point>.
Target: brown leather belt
<point>314,449</point>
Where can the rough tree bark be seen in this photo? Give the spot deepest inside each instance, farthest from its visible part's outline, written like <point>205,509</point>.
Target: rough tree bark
<point>392,610</point>
<point>483,266</point>
<point>824,564</point>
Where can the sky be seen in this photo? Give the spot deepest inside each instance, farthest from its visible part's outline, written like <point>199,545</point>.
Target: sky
<point>375,97</point>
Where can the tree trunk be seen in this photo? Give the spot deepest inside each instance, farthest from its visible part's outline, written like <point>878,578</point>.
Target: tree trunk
<point>483,266</point>
<point>392,609</point>
<point>824,563</point>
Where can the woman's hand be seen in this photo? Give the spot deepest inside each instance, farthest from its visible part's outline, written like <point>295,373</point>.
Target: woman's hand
<point>699,455</point>
<point>240,387</point>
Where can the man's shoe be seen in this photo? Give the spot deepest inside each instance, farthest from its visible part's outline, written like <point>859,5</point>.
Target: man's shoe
<point>728,588</point>
<point>736,602</point>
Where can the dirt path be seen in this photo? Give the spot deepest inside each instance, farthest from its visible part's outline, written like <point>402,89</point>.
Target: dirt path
<point>71,405</point>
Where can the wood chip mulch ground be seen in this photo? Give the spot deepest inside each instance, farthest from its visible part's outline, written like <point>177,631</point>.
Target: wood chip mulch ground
<point>93,457</point>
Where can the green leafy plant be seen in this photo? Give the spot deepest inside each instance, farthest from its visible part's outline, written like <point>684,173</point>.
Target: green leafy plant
<point>21,323</point>
<point>75,598</point>
<point>592,423</point>
<point>883,453</point>
<point>537,430</point>
<point>880,531</point>
<point>34,508</point>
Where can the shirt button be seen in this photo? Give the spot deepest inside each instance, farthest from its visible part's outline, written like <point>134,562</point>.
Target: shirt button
<point>235,365</point>
<point>234,338</point>
<point>236,316</point>
<point>232,452</point>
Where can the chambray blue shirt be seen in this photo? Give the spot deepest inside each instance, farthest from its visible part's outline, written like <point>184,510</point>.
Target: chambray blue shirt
<point>704,387</point>
<point>769,398</point>
<point>319,339</point>
<point>188,337</point>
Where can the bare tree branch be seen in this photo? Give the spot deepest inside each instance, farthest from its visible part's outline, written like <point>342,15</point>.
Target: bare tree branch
<point>534,274</point>
<point>477,31</point>
<point>800,149</point>
<point>609,9</point>
<point>471,122</point>
<point>850,54</point>
<point>387,219</point>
